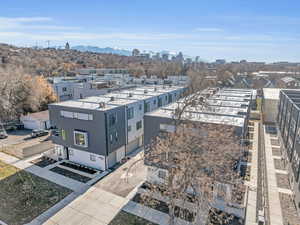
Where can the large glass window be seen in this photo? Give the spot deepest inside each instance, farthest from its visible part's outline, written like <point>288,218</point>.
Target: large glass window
<point>139,125</point>
<point>147,107</point>
<point>112,119</point>
<point>80,138</point>
<point>63,134</point>
<point>130,113</point>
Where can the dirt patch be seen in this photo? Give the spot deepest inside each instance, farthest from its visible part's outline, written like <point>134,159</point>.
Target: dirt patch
<point>276,151</point>
<point>278,164</point>
<point>282,181</point>
<point>70,174</point>
<point>289,212</point>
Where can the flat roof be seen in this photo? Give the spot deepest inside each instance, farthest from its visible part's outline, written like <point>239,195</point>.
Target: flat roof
<point>86,105</point>
<point>201,117</point>
<point>271,93</point>
<point>222,103</point>
<point>214,110</point>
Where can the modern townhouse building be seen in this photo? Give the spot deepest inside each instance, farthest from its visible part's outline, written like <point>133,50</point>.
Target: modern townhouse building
<point>288,120</point>
<point>90,134</point>
<point>234,114</point>
<point>100,131</point>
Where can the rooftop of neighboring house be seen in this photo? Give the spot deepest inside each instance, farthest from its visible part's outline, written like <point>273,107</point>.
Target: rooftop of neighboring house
<point>101,106</point>
<point>216,110</point>
<point>41,116</point>
<point>271,93</point>
<point>287,79</point>
<point>201,117</point>
<point>109,100</point>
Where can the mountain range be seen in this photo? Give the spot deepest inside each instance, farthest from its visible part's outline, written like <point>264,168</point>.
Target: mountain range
<point>107,50</point>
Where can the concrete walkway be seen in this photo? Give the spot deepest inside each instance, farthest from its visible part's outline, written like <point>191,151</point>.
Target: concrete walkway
<point>42,172</point>
<point>45,173</point>
<point>252,191</point>
<point>274,201</point>
<point>94,207</point>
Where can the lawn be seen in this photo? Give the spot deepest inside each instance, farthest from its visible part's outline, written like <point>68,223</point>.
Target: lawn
<point>124,218</point>
<point>24,196</point>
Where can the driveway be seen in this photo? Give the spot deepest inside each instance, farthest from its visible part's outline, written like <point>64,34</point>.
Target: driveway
<point>121,182</point>
<point>15,137</point>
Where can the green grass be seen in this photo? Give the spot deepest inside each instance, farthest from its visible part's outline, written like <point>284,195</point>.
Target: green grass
<point>124,218</point>
<point>24,196</point>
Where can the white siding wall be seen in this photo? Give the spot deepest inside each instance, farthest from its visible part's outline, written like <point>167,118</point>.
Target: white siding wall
<point>83,157</point>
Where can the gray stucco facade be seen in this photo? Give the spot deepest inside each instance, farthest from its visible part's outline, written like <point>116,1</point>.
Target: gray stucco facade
<point>98,128</point>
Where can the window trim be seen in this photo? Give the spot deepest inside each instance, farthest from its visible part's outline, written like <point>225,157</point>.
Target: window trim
<point>85,138</point>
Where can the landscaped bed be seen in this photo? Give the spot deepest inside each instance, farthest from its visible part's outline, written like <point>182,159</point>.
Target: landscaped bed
<point>70,174</point>
<point>289,211</point>
<point>43,162</point>
<point>24,196</point>
<point>79,167</point>
<point>282,181</point>
<point>124,218</point>
<point>163,207</point>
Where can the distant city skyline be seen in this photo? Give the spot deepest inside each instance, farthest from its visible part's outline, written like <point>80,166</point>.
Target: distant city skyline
<point>233,30</point>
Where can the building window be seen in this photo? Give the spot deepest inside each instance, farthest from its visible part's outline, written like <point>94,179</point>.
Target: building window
<point>116,136</point>
<point>64,89</point>
<point>75,115</point>
<point>112,119</point>
<point>111,138</point>
<point>162,174</point>
<point>147,107</point>
<point>130,113</point>
<point>154,102</point>
<point>80,138</point>
<point>129,128</point>
<point>139,125</point>
<point>71,152</point>
<point>63,134</point>
<point>140,106</point>
<point>93,158</point>
<point>167,128</point>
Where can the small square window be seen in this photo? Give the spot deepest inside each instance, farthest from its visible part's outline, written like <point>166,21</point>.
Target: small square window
<point>93,158</point>
<point>129,128</point>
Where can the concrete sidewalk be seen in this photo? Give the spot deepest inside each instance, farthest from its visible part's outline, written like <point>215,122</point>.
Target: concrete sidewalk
<point>94,207</point>
<point>274,201</point>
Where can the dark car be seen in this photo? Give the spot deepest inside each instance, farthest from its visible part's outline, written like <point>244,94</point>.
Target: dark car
<point>271,130</point>
<point>39,133</point>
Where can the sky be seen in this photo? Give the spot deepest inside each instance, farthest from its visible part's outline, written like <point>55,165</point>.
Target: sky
<point>231,29</point>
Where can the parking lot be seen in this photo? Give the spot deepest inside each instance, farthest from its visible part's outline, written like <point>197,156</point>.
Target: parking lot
<point>15,137</point>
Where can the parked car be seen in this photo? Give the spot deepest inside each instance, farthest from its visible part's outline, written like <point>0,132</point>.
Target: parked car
<point>3,135</point>
<point>271,130</point>
<point>39,133</point>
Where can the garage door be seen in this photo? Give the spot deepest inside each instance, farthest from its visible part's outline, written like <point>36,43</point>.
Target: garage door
<point>31,124</point>
<point>133,145</point>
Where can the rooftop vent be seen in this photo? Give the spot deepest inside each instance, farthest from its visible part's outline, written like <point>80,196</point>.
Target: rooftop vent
<point>102,105</point>
<point>130,95</point>
<point>112,98</point>
<point>145,91</point>
<point>155,89</point>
